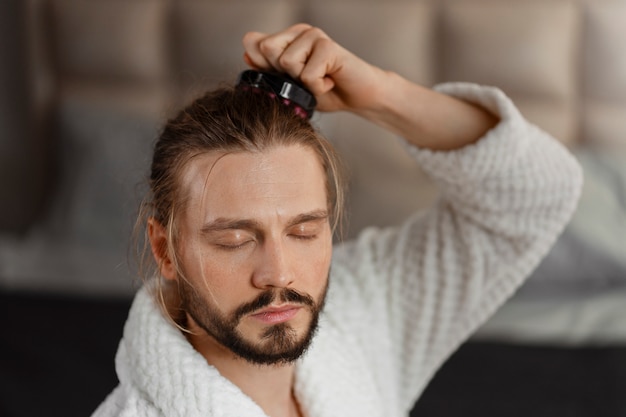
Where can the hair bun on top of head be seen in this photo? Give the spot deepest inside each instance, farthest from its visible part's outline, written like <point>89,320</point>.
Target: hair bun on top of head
<point>282,87</point>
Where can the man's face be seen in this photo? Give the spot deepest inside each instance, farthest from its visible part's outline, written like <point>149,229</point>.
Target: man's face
<point>255,249</point>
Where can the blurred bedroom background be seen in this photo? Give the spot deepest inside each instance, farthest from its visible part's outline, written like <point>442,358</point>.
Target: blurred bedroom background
<point>86,84</point>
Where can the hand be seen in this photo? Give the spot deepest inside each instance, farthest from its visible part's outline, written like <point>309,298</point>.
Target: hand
<point>342,81</point>
<point>338,79</point>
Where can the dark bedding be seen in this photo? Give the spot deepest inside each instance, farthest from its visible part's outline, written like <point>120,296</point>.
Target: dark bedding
<point>57,352</point>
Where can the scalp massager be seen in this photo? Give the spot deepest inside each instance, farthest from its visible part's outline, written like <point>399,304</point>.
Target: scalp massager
<point>280,86</point>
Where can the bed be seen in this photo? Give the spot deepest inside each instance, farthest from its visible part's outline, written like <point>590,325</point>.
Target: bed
<point>77,127</point>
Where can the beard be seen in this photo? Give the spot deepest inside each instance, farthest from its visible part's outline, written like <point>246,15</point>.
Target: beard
<point>279,343</point>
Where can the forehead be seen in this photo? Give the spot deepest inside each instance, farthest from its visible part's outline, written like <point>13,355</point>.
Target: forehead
<point>280,181</point>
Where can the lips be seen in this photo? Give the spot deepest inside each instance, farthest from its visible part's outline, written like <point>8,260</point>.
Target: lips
<point>276,315</point>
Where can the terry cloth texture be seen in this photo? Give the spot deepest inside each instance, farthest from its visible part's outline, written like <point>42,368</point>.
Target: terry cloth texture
<point>401,300</point>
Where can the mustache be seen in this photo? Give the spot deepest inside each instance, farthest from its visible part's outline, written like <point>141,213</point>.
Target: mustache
<point>266,298</point>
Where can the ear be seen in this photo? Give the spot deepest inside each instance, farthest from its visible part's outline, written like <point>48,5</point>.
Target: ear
<point>159,244</point>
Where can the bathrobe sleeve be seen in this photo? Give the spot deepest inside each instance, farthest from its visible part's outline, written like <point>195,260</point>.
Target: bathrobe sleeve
<point>411,295</point>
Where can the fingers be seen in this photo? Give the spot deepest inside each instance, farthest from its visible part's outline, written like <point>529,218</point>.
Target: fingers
<point>302,51</point>
<point>309,57</point>
<point>320,65</point>
<point>252,54</point>
<point>264,50</point>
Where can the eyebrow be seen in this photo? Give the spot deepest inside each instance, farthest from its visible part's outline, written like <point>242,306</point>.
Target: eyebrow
<point>222,223</point>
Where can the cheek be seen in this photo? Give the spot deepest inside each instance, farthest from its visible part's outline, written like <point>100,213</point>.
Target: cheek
<point>316,264</point>
<point>213,270</point>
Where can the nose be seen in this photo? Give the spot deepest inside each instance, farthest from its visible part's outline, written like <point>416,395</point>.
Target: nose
<point>273,268</point>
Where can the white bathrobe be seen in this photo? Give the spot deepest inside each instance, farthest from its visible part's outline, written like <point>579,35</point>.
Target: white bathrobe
<point>400,300</point>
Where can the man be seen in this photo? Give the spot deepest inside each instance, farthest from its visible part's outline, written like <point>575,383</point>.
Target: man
<point>260,315</point>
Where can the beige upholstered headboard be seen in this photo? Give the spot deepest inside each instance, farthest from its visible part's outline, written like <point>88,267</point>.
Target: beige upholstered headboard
<point>562,61</point>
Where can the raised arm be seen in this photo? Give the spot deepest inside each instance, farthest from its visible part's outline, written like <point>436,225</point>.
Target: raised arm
<point>411,295</point>
<point>342,81</point>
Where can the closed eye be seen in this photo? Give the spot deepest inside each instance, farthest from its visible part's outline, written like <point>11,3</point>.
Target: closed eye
<point>308,230</point>
<point>232,246</point>
<point>304,237</point>
<point>231,240</point>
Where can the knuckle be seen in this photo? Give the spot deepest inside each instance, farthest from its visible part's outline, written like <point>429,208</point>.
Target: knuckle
<point>324,44</point>
<point>285,61</point>
<point>247,37</point>
<point>317,32</point>
<point>250,39</point>
<point>307,77</point>
<point>302,26</point>
<point>266,46</point>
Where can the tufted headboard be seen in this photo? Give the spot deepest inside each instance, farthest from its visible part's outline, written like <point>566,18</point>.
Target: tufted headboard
<point>96,78</point>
